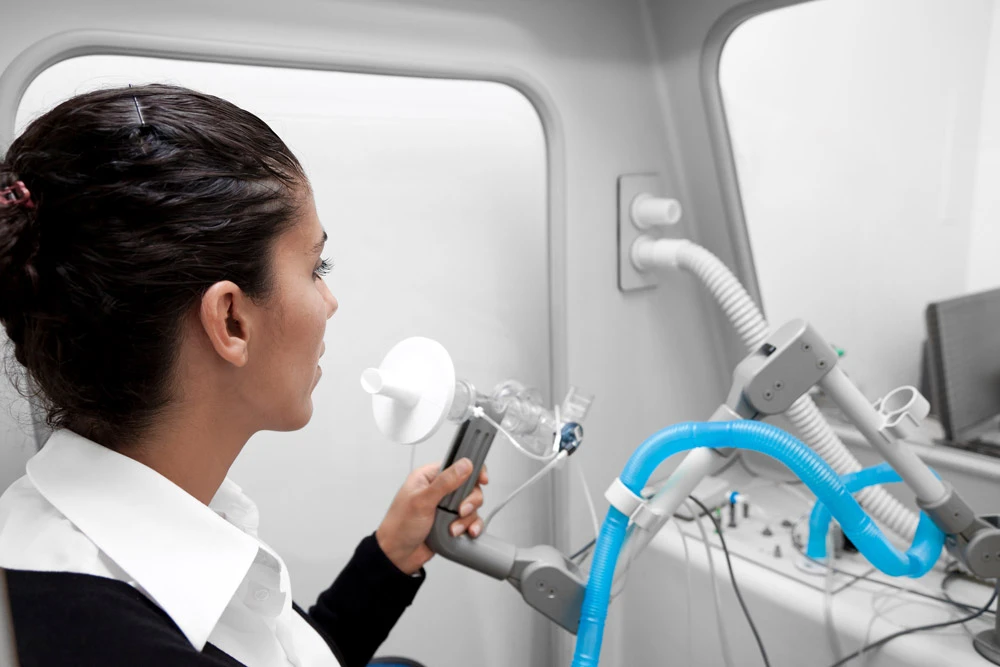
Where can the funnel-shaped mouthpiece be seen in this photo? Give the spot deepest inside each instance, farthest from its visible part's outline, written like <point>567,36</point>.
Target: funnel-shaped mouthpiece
<point>375,382</point>
<point>412,390</point>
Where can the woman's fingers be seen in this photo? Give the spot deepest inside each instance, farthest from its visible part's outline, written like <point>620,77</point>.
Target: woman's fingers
<point>472,502</point>
<point>472,524</point>
<point>469,521</point>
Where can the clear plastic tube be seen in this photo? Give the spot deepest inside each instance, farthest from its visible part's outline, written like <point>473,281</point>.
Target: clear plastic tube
<point>523,418</point>
<point>546,469</point>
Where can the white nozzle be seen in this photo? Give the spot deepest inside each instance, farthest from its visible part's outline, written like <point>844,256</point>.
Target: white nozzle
<point>649,253</point>
<point>648,212</point>
<point>412,391</point>
<point>375,383</point>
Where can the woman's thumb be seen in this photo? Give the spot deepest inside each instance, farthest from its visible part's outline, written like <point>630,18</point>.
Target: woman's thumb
<point>450,479</point>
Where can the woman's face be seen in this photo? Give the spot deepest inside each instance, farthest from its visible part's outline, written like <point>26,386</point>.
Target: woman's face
<point>290,343</point>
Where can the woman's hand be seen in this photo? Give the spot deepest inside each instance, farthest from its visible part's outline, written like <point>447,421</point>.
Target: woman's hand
<point>410,517</point>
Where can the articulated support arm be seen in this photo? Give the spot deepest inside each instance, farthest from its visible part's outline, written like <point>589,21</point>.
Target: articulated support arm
<point>794,359</point>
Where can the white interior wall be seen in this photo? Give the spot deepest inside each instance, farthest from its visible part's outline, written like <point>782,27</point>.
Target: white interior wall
<point>855,125</point>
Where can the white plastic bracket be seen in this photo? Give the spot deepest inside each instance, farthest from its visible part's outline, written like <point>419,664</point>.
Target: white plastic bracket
<point>640,512</point>
<point>902,411</point>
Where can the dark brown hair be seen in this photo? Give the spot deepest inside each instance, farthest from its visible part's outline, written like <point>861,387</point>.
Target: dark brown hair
<point>145,197</point>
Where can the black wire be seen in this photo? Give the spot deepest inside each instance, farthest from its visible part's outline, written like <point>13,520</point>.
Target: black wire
<point>732,576</point>
<point>741,459</point>
<point>944,591</point>
<point>866,577</point>
<point>954,574</point>
<point>920,628</point>
<point>585,547</point>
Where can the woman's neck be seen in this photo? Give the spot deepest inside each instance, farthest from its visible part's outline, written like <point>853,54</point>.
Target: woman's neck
<point>194,447</point>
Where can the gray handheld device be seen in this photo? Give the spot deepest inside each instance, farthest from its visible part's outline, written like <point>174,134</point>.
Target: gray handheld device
<point>546,579</point>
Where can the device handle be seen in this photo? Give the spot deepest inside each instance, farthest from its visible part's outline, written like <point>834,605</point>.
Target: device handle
<point>486,554</point>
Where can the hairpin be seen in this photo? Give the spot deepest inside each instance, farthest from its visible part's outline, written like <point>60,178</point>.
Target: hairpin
<point>142,123</point>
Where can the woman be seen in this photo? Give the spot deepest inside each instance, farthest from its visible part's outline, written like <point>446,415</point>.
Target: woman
<point>162,286</point>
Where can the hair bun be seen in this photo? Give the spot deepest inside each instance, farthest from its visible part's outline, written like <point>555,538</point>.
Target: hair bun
<point>19,241</point>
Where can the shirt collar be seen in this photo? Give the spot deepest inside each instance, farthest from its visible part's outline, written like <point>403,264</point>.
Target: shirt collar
<point>187,558</point>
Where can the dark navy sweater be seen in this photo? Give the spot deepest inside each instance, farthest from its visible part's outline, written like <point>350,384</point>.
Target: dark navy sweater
<point>64,619</point>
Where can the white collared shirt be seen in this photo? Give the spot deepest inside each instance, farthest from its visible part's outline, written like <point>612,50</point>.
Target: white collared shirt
<point>87,509</point>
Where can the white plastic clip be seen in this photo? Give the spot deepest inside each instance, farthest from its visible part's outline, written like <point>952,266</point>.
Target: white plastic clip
<point>634,507</point>
<point>902,412</point>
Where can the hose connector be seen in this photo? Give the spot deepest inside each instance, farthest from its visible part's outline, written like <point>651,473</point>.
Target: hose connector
<point>650,253</point>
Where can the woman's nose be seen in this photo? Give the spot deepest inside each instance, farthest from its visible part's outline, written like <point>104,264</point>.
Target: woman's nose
<point>331,302</point>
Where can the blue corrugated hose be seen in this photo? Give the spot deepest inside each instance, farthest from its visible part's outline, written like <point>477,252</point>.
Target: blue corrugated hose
<point>757,436</point>
<point>914,563</point>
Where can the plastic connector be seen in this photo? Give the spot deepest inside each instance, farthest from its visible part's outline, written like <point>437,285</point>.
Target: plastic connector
<point>640,512</point>
<point>903,410</point>
<point>648,212</point>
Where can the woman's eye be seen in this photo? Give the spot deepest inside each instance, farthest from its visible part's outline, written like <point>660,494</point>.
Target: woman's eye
<point>323,269</point>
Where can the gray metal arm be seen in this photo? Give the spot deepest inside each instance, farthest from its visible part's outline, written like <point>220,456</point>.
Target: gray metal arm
<point>794,359</point>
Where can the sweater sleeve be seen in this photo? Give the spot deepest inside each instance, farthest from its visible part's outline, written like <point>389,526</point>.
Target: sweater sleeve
<point>364,603</point>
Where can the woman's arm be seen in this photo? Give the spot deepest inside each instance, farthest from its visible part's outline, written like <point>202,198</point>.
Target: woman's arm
<point>357,612</point>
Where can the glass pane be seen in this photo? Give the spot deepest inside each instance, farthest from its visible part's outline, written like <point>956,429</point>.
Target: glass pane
<point>867,143</point>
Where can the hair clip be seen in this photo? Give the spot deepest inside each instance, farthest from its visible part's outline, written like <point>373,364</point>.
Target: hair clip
<point>16,195</point>
<point>142,123</point>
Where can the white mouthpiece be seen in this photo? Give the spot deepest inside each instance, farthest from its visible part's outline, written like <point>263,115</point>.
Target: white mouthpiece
<point>375,383</point>
<point>412,390</point>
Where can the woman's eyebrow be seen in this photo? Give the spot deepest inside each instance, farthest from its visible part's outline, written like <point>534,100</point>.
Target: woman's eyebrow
<point>319,246</point>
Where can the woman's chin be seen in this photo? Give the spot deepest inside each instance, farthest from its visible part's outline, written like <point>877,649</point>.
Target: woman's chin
<point>298,418</point>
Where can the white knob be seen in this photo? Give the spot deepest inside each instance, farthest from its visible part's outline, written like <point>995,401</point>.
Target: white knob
<point>648,211</point>
<point>375,382</point>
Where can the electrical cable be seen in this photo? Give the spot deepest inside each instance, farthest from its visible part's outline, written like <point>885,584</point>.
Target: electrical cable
<point>595,522</point>
<point>590,500</point>
<point>687,591</point>
<point>828,622</point>
<point>944,591</point>
<point>584,549</point>
<point>745,464</point>
<point>866,576</point>
<point>546,469</point>
<point>736,588</point>
<point>720,629</point>
<point>876,615</point>
<point>920,628</point>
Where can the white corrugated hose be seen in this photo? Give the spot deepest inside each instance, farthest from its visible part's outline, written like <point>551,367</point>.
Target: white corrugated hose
<point>753,329</point>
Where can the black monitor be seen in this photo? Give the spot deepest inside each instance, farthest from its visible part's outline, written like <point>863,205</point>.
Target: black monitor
<point>963,336</point>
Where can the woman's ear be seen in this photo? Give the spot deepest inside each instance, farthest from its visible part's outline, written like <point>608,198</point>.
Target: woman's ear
<point>225,316</point>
